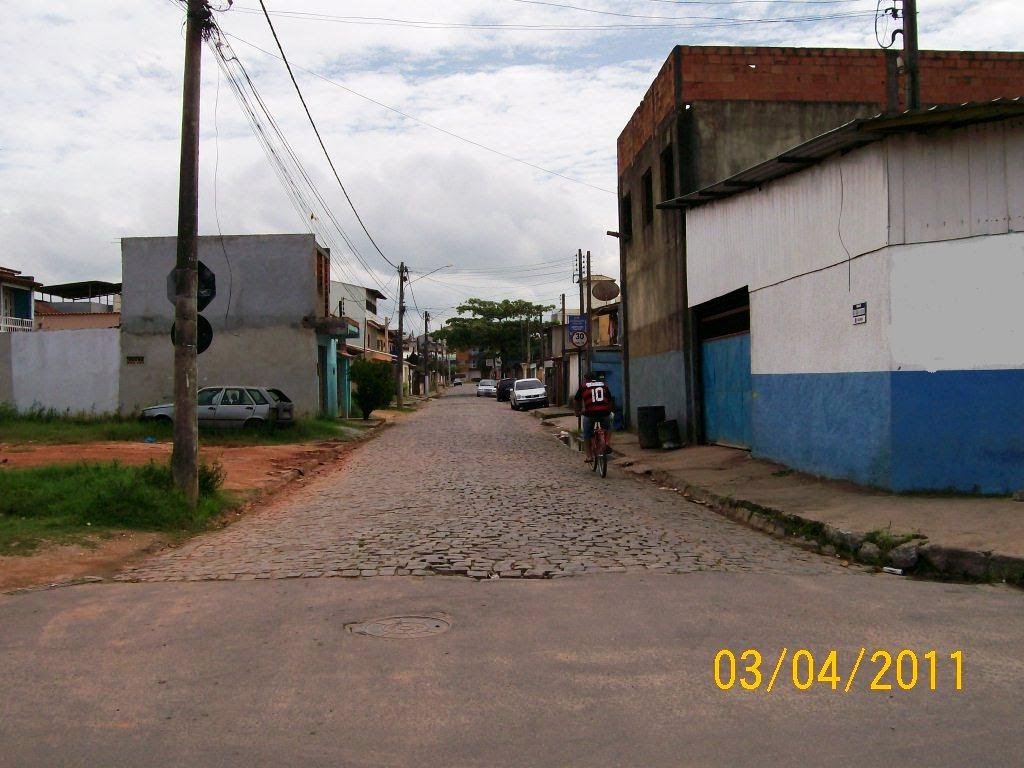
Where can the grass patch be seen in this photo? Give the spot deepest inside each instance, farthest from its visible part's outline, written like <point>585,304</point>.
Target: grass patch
<point>54,427</point>
<point>302,431</point>
<point>67,502</point>
<point>885,539</point>
<point>49,426</point>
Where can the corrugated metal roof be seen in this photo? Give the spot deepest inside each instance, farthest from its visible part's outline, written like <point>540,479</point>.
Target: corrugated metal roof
<point>852,135</point>
<point>84,289</point>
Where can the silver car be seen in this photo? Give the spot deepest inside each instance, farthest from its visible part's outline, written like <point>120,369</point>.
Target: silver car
<point>234,407</point>
<point>486,388</point>
<point>528,393</point>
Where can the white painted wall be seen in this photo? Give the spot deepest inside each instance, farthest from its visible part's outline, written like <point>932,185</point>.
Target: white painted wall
<point>68,371</point>
<point>957,183</point>
<point>354,297</point>
<point>948,300</point>
<point>806,325</point>
<point>789,227</point>
<point>956,305</point>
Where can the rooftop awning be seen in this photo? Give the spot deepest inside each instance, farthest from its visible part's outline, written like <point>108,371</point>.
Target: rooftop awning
<point>84,289</point>
<point>14,277</point>
<point>338,327</point>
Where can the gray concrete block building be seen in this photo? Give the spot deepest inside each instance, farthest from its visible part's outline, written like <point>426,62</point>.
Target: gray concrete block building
<point>269,318</point>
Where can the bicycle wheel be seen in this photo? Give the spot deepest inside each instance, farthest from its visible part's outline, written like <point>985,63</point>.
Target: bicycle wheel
<point>603,458</point>
<point>593,460</point>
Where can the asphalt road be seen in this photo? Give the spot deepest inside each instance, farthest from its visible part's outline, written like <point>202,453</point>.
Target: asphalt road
<point>596,668</point>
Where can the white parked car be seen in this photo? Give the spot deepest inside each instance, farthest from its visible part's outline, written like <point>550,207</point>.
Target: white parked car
<point>486,388</point>
<point>528,393</point>
<point>234,407</point>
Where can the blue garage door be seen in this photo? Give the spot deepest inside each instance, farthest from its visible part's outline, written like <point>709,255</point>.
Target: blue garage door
<point>725,375</point>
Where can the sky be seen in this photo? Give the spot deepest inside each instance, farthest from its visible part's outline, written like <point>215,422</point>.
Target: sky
<point>89,143</point>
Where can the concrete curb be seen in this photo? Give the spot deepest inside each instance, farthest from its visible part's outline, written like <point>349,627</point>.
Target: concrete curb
<point>912,555</point>
<point>550,413</point>
<point>332,450</point>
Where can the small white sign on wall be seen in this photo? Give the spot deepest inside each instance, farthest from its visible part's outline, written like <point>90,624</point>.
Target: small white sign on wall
<point>860,313</point>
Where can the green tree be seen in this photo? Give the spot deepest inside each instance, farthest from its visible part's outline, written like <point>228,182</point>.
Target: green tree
<point>375,385</point>
<point>497,328</point>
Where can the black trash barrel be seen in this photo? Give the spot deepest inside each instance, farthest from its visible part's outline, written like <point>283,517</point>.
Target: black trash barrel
<point>668,435</point>
<point>648,417</point>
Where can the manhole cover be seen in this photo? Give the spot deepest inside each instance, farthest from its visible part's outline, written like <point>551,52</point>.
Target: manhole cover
<point>404,627</point>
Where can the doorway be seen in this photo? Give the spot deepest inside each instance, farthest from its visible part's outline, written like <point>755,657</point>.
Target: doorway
<point>723,325</point>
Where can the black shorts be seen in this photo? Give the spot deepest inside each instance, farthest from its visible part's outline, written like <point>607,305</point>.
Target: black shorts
<point>604,419</point>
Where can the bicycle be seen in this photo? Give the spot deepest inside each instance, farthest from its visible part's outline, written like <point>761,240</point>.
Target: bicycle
<point>599,450</point>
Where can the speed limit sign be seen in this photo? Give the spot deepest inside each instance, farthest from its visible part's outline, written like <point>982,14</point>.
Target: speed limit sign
<point>579,338</point>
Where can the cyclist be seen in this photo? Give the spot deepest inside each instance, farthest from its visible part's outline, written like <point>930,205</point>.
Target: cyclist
<point>593,400</point>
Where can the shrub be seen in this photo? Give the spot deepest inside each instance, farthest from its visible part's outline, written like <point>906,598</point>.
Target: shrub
<point>375,385</point>
<point>211,476</point>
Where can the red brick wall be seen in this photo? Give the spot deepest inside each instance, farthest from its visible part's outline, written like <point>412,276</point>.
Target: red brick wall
<point>715,73</point>
<point>657,105</point>
<point>953,77</point>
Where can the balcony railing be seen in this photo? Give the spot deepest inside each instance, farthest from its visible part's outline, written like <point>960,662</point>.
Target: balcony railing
<point>11,324</point>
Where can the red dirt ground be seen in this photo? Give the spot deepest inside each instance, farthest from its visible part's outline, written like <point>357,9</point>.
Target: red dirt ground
<point>255,471</point>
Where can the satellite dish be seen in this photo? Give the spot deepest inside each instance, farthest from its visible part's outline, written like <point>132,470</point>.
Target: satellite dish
<point>606,290</point>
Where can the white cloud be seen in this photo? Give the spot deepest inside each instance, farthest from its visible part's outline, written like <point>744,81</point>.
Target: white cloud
<point>89,139</point>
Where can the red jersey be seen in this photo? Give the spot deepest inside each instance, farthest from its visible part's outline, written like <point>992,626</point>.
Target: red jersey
<point>597,399</point>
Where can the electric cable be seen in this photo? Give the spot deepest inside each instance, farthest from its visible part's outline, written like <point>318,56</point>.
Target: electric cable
<point>706,23</point>
<point>646,16</point>
<point>281,166</point>
<point>427,124</point>
<point>320,138</point>
<point>216,207</point>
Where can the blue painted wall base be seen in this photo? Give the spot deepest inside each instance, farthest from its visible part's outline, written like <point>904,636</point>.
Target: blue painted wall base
<point>958,430</point>
<point>901,430</point>
<point>725,383</point>
<point>609,363</point>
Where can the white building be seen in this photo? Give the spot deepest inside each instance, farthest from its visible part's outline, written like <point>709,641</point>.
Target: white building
<point>858,298</point>
<point>360,304</point>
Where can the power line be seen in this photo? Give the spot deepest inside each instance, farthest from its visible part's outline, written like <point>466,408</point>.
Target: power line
<point>312,122</point>
<point>427,124</point>
<point>704,23</point>
<point>512,267</point>
<point>619,14</point>
<point>512,275</point>
<point>501,275</point>
<point>753,2</point>
<point>280,160</point>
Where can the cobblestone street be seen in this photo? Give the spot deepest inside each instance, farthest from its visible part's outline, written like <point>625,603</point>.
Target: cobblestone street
<point>467,487</point>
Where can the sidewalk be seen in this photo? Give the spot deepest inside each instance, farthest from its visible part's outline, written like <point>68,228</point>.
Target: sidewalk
<point>957,536</point>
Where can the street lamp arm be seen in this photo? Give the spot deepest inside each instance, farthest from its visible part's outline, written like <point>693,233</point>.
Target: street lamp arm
<point>428,274</point>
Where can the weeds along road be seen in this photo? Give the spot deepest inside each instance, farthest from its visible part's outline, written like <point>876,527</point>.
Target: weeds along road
<point>595,646</point>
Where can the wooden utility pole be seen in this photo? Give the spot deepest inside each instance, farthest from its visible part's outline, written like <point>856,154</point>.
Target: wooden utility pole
<point>910,54</point>
<point>563,384</point>
<point>426,353</point>
<point>590,327</point>
<point>185,454</point>
<point>579,352</point>
<point>400,358</point>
